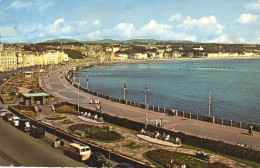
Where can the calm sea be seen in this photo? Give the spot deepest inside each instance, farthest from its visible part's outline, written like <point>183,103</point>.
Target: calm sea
<point>185,85</point>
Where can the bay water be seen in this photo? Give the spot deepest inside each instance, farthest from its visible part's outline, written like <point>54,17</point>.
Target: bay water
<point>185,85</point>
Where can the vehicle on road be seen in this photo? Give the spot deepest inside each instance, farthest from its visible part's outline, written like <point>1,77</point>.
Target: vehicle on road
<point>15,121</point>
<point>2,113</point>
<point>98,160</point>
<point>8,116</point>
<point>25,124</point>
<point>37,132</point>
<point>78,151</point>
<point>124,165</point>
<point>201,155</point>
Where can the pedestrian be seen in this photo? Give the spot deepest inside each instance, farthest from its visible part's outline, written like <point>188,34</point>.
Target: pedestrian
<point>156,123</point>
<point>250,129</point>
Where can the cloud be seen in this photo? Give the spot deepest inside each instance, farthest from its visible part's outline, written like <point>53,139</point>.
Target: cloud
<point>43,5</point>
<point>125,29</point>
<point>220,39</point>
<point>82,23</point>
<point>94,35</point>
<point>37,4</point>
<point>253,6</point>
<point>154,28</point>
<point>176,17</point>
<point>17,5</point>
<point>247,18</point>
<point>96,22</point>
<point>56,23</point>
<point>207,24</point>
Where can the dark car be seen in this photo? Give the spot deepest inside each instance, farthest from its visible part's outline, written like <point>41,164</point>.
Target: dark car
<point>124,165</point>
<point>98,160</point>
<point>201,155</point>
<point>8,116</point>
<point>38,132</point>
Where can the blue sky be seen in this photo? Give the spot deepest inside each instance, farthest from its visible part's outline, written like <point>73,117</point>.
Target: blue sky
<point>215,21</point>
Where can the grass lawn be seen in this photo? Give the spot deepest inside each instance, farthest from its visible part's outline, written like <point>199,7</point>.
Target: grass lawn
<point>130,130</point>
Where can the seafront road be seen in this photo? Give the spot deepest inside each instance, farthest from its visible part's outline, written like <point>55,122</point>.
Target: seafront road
<point>63,89</point>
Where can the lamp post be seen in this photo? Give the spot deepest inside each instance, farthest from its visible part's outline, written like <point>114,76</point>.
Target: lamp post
<point>145,89</point>
<point>87,82</point>
<point>78,93</point>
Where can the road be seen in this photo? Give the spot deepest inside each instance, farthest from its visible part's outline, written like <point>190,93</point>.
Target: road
<point>20,149</point>
<point>61,88</point>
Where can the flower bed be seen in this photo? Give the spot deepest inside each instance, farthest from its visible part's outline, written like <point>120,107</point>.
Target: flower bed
<point>56,117</point>
<point>26,110</point>
<point>163,157</point>
<point>66,109</point>
<point>67,121</point>
<point>96,133</point>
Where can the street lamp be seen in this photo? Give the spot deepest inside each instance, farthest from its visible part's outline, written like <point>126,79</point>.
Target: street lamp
<point>145,89</point>
<point>78,93</point>
<point>87,82</point>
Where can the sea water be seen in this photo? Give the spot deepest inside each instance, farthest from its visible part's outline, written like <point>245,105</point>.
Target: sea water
<point>185,86</point>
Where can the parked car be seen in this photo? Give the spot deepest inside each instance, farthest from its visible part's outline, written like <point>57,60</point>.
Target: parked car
<point>78,151</point>
<point>8,116</point>
<point>15,121</point>
<point>98,160</point>
<point>124,165</point>
<point>2,113</point>
<point>37,132</point>
<point>201,155</point>
<point>25,124</point>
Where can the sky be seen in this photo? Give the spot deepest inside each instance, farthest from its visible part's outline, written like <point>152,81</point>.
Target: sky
<point>209,21</point>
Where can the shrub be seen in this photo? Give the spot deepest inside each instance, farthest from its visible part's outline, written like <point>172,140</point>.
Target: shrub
<point>106,136</point>
<point>96,133</point>
<point>163,157</point>
<point>67,109</point>
<point>56,117</point>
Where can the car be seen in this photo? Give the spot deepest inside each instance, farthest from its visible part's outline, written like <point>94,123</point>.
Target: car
<point>2,113</point>
<point>78,151</point>
<point>124,165</point>
<point>201,155</point>
<point>25,125</point>
<point>37,132</point>
<point>8,116</point>
<point>15,121</point>
<point>98,160</point>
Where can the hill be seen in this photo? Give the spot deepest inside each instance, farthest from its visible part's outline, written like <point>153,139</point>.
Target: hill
<point>131,41</point>
<point>62,41</point>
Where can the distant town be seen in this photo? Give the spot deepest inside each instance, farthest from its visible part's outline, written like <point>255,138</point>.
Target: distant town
<point>14,56</point>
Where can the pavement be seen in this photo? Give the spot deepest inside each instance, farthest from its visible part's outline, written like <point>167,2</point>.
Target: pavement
<point>63,89</point>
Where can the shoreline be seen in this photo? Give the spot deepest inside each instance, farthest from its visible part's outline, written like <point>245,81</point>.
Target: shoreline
<point>152,61</point>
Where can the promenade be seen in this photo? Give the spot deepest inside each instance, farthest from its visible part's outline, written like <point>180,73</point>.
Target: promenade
<point>63,89</point>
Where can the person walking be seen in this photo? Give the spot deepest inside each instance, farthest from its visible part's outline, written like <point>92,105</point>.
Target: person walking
<point>250,130</point>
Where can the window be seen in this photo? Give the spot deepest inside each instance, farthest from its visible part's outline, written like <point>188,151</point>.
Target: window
<point>83,150</point>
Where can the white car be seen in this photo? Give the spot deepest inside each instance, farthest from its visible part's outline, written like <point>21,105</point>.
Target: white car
<point>15,121</point>
<point>2,113</point>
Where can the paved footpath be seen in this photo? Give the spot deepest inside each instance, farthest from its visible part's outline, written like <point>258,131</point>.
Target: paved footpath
<point>62,88</point>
